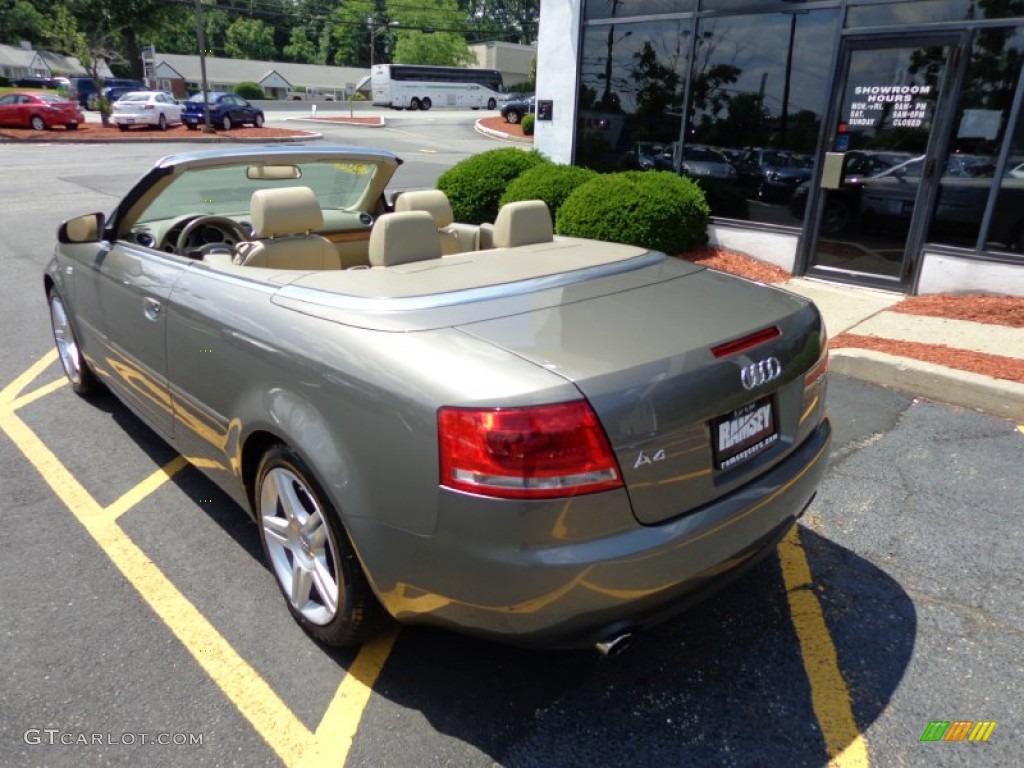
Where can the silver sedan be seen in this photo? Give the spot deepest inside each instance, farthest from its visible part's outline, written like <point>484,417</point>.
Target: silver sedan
<point>545,440</point>
<point>153,109</point>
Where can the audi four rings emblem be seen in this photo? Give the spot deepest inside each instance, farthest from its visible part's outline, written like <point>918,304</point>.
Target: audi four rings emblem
<point>760,373</point>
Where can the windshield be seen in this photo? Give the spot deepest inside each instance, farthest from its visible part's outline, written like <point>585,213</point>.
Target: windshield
<point>227,191</point>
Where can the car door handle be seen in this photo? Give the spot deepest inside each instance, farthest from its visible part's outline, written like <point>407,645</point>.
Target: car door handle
<point>152,308</point>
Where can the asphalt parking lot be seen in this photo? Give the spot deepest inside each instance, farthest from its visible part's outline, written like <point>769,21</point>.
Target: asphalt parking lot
<point>140,625</point>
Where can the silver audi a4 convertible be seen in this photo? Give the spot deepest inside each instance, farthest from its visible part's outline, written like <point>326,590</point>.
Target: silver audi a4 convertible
<point>545,440</point>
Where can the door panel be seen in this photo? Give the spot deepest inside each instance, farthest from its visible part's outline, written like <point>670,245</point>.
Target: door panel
<point>876,185</point>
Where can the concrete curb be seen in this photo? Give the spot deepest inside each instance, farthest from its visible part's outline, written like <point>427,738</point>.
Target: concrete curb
<point>309,136</point>
<point>480,128</point>
<point>338,121</point>
<point>935,382</point>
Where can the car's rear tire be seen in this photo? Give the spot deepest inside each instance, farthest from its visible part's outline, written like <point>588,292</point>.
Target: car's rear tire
<point>122,127</point>
<point>37,123</point>
<point>426,104</point>
<point>72,126</point>
<point>258,121</point>
<point>310,554</point>
<point>226,123</point>
<point>492,103</point>
<point>192,126</point>
<point>414,105</point>
<point>512,117</point>
<point>83,380</point>
<point>162,123</point>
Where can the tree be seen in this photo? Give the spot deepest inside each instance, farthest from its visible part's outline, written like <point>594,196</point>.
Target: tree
<point>250,39</point>
<point>20,20</point>
<point>442,48</point>
<point>93,46</point>
<point>300,47</point>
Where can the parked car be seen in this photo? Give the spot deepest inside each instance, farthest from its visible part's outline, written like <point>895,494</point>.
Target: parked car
<point>706,163</point>
<point>842,205</point>
<point>83,89</point>
<point>772,174</point>
<point>555,442</point>
<point>154,109</point>
<point>39,111</point>
<point>227,110</point>
<point>513,110</point>
<point>649,156</point>
<point>36,81</point>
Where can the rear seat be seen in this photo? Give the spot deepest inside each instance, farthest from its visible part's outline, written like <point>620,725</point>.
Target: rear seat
<point>455,237</point>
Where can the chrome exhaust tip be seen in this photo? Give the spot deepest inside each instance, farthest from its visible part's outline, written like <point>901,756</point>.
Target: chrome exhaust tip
<point>614,645</point>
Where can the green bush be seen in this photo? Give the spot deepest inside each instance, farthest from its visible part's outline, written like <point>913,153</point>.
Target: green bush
<point>527,124</point>
<point>548,182</point>
<point>725,199</point>
<point>357,96</point>
<point>474,185</point>
<point>249,90</point>
<point>650,209</point>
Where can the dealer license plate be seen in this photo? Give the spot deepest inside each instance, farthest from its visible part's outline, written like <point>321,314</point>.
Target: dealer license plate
<point>744,433</point>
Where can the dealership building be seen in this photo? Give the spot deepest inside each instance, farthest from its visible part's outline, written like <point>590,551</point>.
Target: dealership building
<point>871,142</point>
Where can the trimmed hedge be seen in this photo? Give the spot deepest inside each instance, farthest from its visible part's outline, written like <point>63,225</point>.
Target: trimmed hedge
<point>548,182</point>
<point>649,209</point>
<point>527,124</point>
<point>725,199</point>
<point>474,186</point>
<point>249,90</point>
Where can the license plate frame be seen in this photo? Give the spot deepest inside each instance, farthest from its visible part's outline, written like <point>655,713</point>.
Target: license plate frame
<point>738,436</point>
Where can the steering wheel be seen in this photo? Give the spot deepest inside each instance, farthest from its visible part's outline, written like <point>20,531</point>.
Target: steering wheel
<point>231,226</point>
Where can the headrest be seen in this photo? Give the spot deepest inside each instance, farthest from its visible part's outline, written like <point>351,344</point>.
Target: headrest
<point>286,211</point>
<point>399,238</point>
<point>523,223</point>
<point>433,201</point>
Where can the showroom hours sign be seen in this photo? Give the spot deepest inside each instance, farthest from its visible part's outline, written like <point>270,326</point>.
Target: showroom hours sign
<point>902,106</point>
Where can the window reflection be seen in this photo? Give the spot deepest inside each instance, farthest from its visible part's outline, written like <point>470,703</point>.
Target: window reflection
<point>617,9</point>
<point>930,11</point>
<point>631,95</point>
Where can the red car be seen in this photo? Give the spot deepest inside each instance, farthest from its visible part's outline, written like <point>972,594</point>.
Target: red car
<point>39,111</point>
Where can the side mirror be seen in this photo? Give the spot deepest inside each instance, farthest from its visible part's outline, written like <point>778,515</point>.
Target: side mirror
<point>82,229</point>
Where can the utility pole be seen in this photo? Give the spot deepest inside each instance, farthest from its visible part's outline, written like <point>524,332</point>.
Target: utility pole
<point>201,35</point>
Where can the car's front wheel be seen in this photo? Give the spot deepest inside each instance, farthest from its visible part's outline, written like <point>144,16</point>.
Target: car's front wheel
<point>512,117</point>
<point>162,123</point>
<point>310,553</point>
<point>226,123</point>
<point>258,121</point>
<point>37,123</point>
<point>82,379</point>
<point>492,103</point>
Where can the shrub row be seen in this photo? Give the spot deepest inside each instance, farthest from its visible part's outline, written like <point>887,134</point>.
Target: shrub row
<point>651,209</point>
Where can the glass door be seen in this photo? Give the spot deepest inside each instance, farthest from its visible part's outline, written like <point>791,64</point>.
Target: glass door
<point>875,183</point>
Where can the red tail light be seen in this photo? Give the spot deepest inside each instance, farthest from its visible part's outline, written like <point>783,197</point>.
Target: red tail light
<point>541,452</point>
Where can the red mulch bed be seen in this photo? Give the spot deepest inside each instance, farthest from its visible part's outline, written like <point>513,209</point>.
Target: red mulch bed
<point>1002,310</point>
<point>737,264</point>
<point>1006,368</point>
<point>97,132</point>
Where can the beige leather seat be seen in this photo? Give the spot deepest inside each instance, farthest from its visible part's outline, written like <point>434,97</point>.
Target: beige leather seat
<point>522,223</point>
<point>283,222</point>
<point>400,238</point>
<point>455,238</point>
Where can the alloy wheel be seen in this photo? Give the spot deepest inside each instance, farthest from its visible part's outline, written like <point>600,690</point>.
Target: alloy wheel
<point>300,547</point>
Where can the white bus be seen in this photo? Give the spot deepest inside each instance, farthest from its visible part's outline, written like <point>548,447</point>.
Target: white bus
<point>417,86</point>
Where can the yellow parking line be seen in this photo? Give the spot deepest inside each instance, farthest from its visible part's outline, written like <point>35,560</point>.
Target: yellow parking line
<point>12,390</point>
<point>282,730</point>
<point>1020,429</point>
<point>146,487</point>
<point>35,394</point>
<point>829,695</point>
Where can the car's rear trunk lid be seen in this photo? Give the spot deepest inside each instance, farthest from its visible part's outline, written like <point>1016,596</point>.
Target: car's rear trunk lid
<point>687,426</point>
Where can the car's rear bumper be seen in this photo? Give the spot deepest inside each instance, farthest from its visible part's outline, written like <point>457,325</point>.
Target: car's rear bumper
<point>546,580</point>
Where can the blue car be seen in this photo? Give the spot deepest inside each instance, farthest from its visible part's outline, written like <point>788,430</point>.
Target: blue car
<point>226,111</point>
